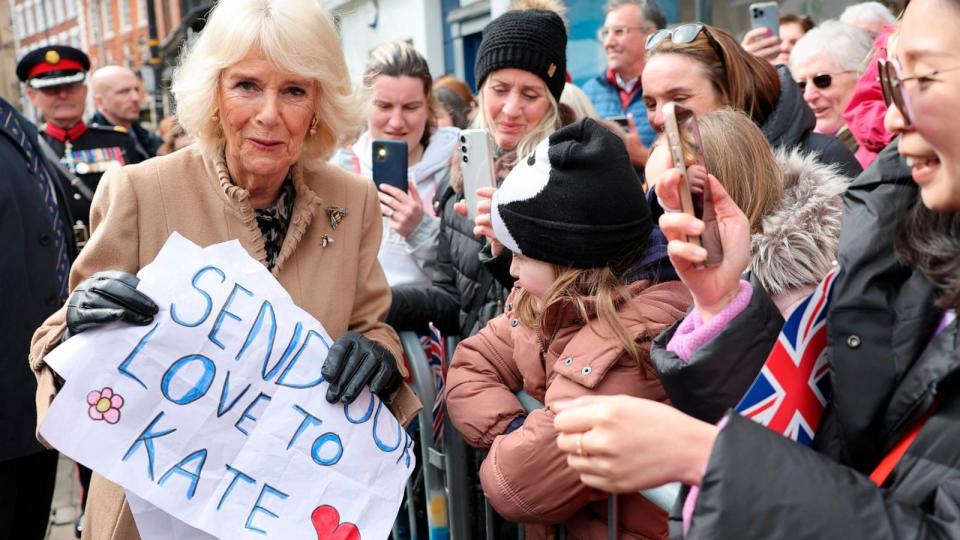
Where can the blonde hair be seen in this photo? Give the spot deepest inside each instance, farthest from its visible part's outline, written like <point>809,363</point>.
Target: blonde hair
<point>528,143</point>
<point>575,98</point>
<point>605,285</point>
<point>739,155</point>
<point>297,36</point>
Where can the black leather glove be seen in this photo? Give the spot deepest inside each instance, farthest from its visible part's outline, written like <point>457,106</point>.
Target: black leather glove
<point>107,297</point>
<point>354,362</point>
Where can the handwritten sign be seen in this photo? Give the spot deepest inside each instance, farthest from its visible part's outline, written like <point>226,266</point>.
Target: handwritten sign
<point>215,412</point>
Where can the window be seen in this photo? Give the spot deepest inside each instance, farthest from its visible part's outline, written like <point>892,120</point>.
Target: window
<point>71,8</point>
<point>38,16</point>
<point>48,13</point>
<point>31,28</point>
<point>75,37</point>
<point>93,16</point>
<point>58,10</point>
<point>18,22</point>
<point>106,10</point>
<point>124,14</point>
<point>142,12</point>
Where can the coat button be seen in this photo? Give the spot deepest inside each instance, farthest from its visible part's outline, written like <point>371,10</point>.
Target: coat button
<point>436,206</point>
<point>76,196</point>
<point>52,301</point>
<point>853,341</point>
<point>45,239</point>
<point>568,361</point>
<point>586,371</point>
<point>514,322</point>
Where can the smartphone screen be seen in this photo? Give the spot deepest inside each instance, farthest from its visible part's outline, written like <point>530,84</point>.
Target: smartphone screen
<point>686,148</point>
<point>390,163</point>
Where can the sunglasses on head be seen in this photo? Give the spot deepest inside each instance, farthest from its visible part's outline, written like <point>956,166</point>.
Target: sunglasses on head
<point>820,80</point>
<point>686,33</point>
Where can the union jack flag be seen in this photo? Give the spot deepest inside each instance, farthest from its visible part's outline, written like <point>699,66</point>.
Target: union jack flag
<point>791,391</point>
<point>436,356</point>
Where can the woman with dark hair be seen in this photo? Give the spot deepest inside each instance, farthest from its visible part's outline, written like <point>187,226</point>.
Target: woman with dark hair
<point>885,459</point>
<point>704,68</point>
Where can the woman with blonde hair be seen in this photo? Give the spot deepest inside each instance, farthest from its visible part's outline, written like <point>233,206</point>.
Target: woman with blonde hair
<point>268,101</point>
<point>520,70</point>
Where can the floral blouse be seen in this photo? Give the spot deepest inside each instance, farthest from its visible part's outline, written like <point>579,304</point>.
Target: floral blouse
<point>274,221</point>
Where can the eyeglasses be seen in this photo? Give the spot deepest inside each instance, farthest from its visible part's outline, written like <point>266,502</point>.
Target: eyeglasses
<point>821,80</point>
<point>686,33</point>
<point>891,84</point>
<point>617,31</point>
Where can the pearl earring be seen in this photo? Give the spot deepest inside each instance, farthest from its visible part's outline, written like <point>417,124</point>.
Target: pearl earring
<point>313,126</point>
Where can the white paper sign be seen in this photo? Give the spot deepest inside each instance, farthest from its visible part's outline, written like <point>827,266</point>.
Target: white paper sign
<point>215,413</point>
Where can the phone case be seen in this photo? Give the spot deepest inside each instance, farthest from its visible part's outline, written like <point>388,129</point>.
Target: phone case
<point>767,15</point>
<point>476,165</point>
<point>683,139</point>
<point>389,163</point>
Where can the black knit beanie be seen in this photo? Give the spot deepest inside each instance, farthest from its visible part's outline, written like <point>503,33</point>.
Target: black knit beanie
<point>575,201</point>
<point>533,40</point>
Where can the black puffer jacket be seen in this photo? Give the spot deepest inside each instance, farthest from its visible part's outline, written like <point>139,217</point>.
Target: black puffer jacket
<point>886,374</point>
<point>465,294</point>
<point>791,124</point>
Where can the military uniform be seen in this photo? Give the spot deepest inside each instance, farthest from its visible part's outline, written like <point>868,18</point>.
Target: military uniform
<point>86,152</point>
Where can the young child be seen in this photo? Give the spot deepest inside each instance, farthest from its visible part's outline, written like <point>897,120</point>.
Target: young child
<point>574,215</point>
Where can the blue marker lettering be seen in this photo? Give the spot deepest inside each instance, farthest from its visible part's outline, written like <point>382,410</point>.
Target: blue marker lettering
<point>224,313</point>
<point>199,388</point>
<point>293,362</point>
<point>146,438</point>
<point>366,415</point>
<point>265,308</point>
<point>224,391</point>
<point>318,444</point>
<point>122,368</point>
<point>238,475</point>
<point>376,437</point>
<point>193,476</point>
<point>209,301</point>
<point>407,445</point>
<point>307,419</point>
<point>257,507</point>
<point>246,413</point>
<point>294,341</point>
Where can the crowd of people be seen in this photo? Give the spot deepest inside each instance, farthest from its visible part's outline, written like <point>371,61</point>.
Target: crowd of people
<point>802,387</point>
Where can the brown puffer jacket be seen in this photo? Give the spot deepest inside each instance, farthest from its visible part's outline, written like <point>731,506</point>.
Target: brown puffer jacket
<point>525,475</point>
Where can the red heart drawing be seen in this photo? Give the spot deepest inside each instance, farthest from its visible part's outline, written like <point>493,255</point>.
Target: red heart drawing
<point>326,520</point>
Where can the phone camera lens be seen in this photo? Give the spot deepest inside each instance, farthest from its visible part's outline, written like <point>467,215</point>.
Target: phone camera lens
<point>463,149</point>
<point>463,139</point>
<point>465,158</point>
<point>759,13</point>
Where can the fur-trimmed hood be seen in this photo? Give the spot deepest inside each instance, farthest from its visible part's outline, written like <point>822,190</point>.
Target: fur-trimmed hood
<point>799,239</point>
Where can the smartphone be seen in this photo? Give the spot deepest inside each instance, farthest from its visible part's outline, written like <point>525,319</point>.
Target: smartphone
<point>476,165</point>
<point>622,122</point>
<point>766,15</point>
<point>390,163</point>
<point>686,149</point>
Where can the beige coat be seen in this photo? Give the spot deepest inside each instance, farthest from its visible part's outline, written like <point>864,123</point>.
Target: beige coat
<point>135,210</point>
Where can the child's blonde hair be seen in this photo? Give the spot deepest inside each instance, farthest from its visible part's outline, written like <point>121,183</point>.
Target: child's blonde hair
<point>605,285</point>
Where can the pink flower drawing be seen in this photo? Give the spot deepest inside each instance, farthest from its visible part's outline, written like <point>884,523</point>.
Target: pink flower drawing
<point>104,405</point>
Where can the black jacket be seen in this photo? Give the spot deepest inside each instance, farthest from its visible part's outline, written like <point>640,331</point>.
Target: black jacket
<point>29,284</point>
<point>886,373</point>
<point>791,124</point>
<point>467,290</point>
<point>145,142</point>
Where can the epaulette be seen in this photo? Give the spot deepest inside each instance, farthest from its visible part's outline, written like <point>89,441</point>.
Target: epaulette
<point>117,129</point>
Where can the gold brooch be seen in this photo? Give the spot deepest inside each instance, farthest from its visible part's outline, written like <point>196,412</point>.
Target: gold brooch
<point>336,215</point>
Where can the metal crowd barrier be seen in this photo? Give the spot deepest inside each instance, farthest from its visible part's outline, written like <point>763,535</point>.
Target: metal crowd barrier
<point>445,474</point>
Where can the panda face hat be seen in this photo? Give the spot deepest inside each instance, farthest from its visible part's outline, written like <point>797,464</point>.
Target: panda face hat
<point>575,201</point>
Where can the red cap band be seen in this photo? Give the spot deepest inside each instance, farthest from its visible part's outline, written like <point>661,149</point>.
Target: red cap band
<point>64,64</point>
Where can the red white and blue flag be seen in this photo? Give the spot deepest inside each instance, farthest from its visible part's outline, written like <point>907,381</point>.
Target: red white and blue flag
<point>791,391</point>
<point>436,357</point>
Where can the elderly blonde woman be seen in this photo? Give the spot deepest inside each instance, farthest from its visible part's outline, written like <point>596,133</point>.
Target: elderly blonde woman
<point>266,120</point>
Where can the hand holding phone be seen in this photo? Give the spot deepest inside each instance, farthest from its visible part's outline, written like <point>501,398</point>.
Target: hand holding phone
<point>686,150</point>
<point>476,165</point>
<point>390,163</point>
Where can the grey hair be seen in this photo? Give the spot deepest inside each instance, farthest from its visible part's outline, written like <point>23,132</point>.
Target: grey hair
<point>649,8</point>
<point>867,12</point>
<point>847,45</point>
<point>297,36</point>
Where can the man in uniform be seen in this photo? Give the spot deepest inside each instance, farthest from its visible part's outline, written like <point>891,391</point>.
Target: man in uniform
<point>55,78</point>
<point>117,95</point>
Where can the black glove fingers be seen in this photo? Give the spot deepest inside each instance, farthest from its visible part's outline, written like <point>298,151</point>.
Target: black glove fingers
<point>385,381</point>
<point>365,371</point>
<point>337,357</point>
<point>125,295</point>
<point>95,316</point>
